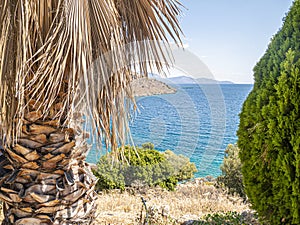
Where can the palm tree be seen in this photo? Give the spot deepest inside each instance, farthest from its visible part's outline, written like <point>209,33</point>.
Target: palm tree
<point>62,61</point>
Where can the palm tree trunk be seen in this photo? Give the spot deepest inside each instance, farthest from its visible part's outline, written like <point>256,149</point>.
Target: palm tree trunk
<point>47,49</point>
<point>44,176</point>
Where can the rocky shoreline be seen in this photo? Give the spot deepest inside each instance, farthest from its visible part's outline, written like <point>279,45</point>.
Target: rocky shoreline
<point>148,86</point>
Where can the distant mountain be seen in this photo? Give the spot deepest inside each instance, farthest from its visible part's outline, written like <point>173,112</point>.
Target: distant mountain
<point>186,80</point>
<point>212,81</point>
<point>189,80</point>
<point>182,80</point>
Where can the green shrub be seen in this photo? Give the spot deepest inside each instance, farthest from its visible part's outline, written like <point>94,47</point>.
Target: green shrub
<point>148,145</point>
<point>146,166</point>
<point>228,218</point>
<point>269,130</point>
<point>184,169</point>
<point>232,177</point>
<point>109,176</point>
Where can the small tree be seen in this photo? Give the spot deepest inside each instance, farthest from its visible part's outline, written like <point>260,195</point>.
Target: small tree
<point>184,169</point>
<point>148,145</point>
<point>147,166</point>
<point>232,177</point>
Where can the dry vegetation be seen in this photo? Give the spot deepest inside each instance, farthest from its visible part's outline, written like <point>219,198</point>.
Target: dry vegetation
<point>190,201</point>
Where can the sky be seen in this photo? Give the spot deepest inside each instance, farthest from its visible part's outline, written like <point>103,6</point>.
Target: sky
<point>230,36</point>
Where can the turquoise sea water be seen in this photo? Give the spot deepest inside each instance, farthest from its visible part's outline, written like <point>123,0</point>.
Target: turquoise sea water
<point>198,121</point>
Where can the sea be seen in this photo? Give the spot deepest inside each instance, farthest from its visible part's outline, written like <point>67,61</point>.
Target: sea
<point>198,121</point>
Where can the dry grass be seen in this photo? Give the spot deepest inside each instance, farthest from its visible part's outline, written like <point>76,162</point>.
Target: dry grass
<point>190,201</point>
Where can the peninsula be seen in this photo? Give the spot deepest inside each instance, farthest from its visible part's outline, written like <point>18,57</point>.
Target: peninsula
<point>149,86</point>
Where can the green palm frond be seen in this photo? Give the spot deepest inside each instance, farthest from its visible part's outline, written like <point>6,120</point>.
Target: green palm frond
<point>79,53</point>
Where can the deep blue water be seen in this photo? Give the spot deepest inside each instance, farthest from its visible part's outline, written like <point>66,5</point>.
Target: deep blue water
<point>198,121</point>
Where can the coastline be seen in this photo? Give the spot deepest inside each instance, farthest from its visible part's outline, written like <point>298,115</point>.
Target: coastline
<point>148,86</point>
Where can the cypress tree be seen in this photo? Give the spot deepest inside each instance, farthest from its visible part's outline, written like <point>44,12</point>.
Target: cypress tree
<point>269,130</point>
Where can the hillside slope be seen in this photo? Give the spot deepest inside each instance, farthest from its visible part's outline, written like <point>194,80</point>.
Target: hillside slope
<point>148,86</point>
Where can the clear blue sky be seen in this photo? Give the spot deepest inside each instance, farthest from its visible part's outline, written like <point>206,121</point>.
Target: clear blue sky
<point>230,36</point>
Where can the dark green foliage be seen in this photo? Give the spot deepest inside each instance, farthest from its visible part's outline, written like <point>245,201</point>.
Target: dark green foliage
<point>148,145</point>
<point>147,167</point>
<point>232,177</point>
<point>269,131</point>
<point>112,177</point>
<point>228,218</point>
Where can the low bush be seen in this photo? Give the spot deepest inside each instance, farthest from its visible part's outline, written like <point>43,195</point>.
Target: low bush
<point>228,218</point>
<point>145,166</point>
<point>232,177</point>
<point>184,169</point>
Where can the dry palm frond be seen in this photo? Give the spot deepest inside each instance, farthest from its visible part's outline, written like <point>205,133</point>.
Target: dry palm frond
<point>83,49</point>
